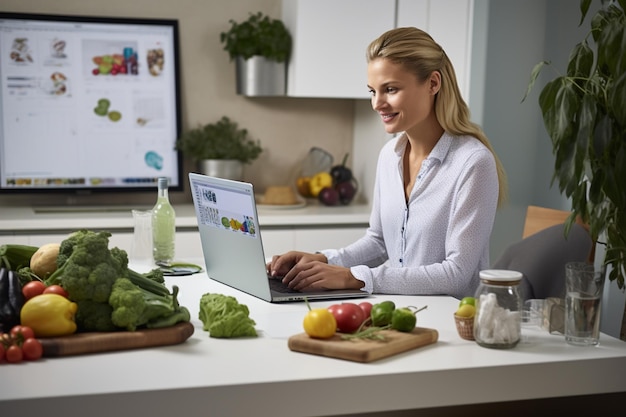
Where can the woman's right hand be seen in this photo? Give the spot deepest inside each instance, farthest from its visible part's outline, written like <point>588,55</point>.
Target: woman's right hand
<point>282,264</point>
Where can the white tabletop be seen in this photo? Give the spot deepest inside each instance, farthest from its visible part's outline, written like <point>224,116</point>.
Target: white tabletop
<point>240,377</point>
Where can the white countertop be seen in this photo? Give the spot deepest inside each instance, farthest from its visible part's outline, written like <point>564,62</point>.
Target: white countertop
<point>117,217</point>
<point>240,377</point>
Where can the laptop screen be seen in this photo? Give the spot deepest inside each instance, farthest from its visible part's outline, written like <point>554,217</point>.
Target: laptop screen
<point>226,208</point>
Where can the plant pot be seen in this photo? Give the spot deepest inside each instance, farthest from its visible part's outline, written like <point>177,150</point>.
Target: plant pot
<point>231,169</point>
<point>258,76</point>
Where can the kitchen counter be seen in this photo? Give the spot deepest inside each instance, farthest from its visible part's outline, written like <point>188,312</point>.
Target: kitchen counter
<point>37,219</point>
<point>261,376</point>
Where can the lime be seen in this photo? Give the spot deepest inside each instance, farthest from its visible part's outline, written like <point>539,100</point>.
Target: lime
<point>403,320</point>
<point>468,300</point>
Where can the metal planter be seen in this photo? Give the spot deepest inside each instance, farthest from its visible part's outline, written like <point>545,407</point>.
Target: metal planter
<point>258,77</point>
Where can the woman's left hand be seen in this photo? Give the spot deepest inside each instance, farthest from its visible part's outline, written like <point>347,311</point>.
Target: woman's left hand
<point>316,276</point>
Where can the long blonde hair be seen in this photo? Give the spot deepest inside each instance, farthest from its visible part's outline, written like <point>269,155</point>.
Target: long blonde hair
<point>417,51</point>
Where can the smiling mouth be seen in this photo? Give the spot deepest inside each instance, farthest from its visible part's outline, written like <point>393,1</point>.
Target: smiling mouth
<point>387,117</point>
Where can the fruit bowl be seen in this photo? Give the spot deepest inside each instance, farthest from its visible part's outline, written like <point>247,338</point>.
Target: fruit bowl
<point>465,327</point>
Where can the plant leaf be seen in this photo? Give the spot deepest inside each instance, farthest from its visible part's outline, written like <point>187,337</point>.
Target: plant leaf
<point>584,8</point>
<point>609,41</point>
<point>559,104</point>
<point>580,61</point>
<point>617,99</point>
<point>533,77</point>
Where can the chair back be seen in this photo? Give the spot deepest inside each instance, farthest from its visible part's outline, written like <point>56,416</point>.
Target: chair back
<point>540,218</point>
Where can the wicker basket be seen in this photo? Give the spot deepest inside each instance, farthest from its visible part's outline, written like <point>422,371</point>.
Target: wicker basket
<point>465,327</point>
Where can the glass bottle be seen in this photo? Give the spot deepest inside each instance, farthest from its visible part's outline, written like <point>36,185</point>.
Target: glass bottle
<point>498,319</point>
<point>163,225</point>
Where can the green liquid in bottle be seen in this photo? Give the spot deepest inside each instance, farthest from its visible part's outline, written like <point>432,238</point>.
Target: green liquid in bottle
<point>163,226</point>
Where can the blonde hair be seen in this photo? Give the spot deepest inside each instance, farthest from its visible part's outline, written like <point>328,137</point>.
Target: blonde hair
<point>417,51</point>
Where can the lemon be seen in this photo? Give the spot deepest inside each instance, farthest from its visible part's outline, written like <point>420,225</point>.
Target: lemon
<point>466,310</point>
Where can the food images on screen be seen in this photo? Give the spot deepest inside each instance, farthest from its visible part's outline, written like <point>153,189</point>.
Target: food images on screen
<point>112,58</point>
<point>20,51</point>
<point>154,160</point>
<point>102,109</point>
<point>155,61</point>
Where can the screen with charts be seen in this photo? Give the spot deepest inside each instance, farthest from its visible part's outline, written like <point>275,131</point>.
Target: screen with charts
<point>225,209</point>
<point>88,103</point>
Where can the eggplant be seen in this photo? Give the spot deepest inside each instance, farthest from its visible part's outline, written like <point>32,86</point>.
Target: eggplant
<point>9,316</point>
<point>16,297</point>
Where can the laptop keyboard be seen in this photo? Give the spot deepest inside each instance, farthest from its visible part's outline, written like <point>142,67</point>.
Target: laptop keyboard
<point>278,286</point>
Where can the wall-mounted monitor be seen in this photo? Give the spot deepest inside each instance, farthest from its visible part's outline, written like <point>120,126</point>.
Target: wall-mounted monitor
<point>88,104</point>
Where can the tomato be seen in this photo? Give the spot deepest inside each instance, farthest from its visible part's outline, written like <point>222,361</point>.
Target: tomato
<point>349,316</point>
<point>366,306</point>
<point>320,323</point>
<point>32,349</point>
<point>14,354</point>
<point>32,289</point>
<point>56,289</point>
<point>1,352</point>
<point>20,333</point>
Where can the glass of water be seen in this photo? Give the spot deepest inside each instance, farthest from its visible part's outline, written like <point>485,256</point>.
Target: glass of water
<point>583,285</point>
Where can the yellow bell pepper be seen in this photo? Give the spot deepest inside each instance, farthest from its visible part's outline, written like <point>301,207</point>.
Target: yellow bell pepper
<point>49,315</point>
<point>319,181</point>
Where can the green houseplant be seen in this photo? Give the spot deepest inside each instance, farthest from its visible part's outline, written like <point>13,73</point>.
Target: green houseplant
<point>260,47</point>
<point>258,35</point>
<point>584,112</point>
<point>220,149</point>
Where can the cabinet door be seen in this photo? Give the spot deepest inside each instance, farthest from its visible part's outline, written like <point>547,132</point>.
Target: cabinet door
<point>449,22</point>
<point>329,42</point>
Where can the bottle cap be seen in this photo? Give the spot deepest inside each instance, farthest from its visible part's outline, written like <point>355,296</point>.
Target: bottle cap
<point>162,182</point>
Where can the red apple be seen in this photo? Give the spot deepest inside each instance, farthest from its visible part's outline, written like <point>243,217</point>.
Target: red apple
<point>328,196</point>
<point>346,190</point>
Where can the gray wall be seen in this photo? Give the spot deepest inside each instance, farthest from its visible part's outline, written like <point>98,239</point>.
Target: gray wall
<point>521,34</point>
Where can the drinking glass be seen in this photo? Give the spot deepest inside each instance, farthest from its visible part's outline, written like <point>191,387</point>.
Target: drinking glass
<point>583,285</point>
<point>141,248</point>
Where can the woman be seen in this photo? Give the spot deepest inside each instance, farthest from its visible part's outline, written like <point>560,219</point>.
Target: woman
<point>438,185</point>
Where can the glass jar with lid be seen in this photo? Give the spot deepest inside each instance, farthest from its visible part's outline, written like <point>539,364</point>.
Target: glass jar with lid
<point>498,319</point>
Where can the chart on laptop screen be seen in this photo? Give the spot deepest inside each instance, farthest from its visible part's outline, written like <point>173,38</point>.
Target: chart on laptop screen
<point>226,209</point>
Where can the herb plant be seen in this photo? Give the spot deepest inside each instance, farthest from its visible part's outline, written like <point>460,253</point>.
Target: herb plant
<point>259,35</point>
<point>220,140</point>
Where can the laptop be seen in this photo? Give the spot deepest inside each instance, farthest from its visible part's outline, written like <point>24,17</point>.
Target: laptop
<point>231,241</point>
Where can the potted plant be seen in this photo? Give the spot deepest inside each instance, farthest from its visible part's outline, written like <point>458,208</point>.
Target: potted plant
<point>221,148</point>
<point>260,47</point>
<point>584,112</point>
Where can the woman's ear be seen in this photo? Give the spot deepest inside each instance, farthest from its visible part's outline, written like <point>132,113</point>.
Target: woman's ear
<point>435,82</point>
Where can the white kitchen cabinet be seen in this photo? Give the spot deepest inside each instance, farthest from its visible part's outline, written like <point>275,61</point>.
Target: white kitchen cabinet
<point>329,42</point>
<point>449,22</point>
<point>330,38</point>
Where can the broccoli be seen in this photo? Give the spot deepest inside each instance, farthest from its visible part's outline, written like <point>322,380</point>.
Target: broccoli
<point>93,316</point>
<point>222,316</point>
<point>134,306</point>
<point>88,270</point>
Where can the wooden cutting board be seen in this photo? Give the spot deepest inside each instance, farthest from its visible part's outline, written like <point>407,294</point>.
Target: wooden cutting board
<point>95,342</point>
<point>363,350</point>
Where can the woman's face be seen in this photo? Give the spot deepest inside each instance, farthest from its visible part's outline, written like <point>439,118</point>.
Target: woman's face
<point>401,100</point>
